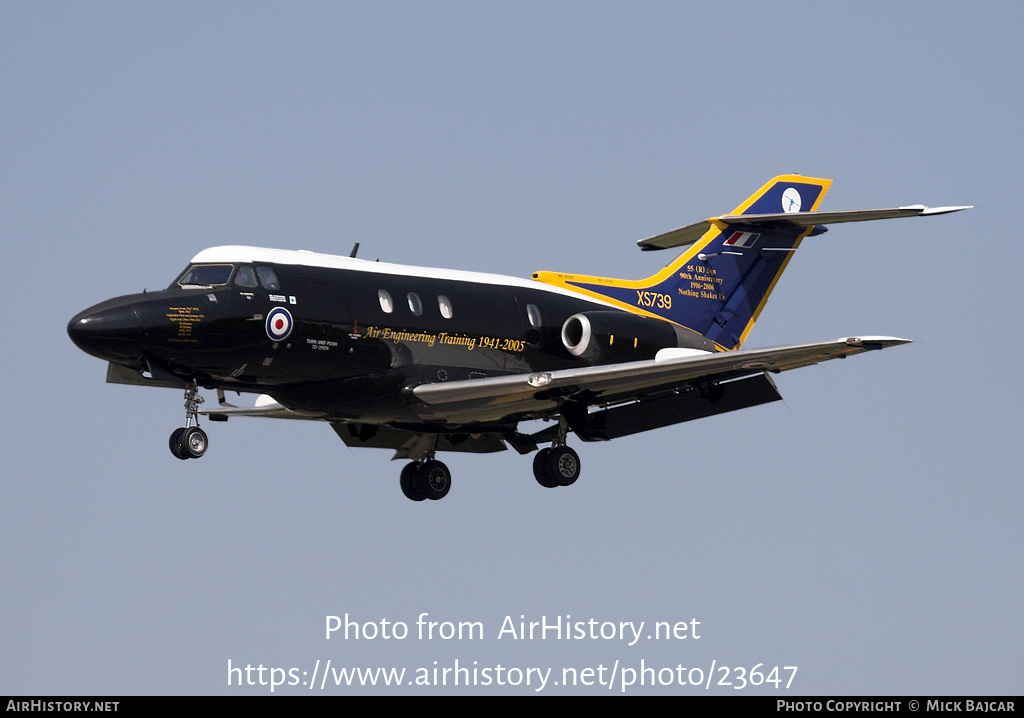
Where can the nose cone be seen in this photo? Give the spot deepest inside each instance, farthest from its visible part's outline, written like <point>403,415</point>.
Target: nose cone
<point>110,330</point>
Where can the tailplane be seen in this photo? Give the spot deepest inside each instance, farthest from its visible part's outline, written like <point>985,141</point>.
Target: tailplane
<point>730,263</point>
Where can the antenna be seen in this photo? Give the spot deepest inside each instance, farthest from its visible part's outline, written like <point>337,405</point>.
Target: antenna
<point>355,249</point>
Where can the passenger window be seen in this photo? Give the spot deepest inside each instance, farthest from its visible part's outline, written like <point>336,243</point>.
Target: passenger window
<point>268,278</point>
<point>533,314</point>
<point>385,301</point>
<point>245,277</point>
<point>415,305</point>
<point>445,305</point>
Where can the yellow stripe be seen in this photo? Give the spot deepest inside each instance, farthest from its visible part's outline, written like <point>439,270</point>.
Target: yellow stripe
<point>562,279</point>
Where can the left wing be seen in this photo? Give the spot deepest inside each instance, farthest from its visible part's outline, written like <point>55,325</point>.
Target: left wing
<point>495,398</point>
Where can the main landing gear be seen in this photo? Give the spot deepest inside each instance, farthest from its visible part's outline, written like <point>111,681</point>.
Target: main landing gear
<point>189,442</point>
<point>559,465</point>
<point>429,479</point>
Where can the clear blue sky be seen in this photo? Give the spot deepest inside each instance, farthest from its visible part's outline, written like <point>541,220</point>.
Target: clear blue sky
<point>867,530</point>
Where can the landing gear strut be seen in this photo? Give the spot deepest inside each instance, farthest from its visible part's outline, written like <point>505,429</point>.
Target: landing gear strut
<point>429,479</point>
<point>189,442</point>
<point>559,465</point>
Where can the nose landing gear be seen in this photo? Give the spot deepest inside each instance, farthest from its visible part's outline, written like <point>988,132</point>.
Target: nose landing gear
<point>189,442</point>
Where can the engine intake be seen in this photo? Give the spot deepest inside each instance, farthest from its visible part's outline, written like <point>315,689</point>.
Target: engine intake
<point>602,337</point>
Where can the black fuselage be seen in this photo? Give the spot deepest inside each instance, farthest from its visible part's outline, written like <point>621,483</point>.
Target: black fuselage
<point>348,341</point>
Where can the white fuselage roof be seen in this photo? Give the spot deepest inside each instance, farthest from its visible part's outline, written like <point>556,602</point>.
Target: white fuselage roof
<point>236,254</point>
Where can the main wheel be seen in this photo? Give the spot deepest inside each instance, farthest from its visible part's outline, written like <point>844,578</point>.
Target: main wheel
<point>435,479</point>
<point>175,445</point>
<point>540,469</point>
<point>563,465</point>
<point>410,483</point>
<point>193,442</point>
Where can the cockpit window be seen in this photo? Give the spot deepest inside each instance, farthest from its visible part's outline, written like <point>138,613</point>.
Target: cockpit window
<point>268,278</point>
<point>206,275</point>
<point>245,277</point>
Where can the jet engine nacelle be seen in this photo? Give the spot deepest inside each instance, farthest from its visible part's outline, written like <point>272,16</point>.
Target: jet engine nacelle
<point>601,337</point>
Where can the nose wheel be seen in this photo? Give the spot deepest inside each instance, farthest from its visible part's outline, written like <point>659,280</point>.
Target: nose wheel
<point>189,442</point>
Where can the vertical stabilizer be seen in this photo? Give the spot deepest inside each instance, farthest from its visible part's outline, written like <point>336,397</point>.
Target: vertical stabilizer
<point>719,284</point>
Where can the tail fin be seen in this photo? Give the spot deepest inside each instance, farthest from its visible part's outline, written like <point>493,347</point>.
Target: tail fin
<point>719,284</point>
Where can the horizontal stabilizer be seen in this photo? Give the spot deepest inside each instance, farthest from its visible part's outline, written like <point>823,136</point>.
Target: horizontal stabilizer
<point>689,234</point>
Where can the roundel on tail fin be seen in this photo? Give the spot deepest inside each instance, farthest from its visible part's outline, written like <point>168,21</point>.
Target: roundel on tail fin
<point>791,200</point>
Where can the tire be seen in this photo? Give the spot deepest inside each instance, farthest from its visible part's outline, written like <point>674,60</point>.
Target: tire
<point>540,469</point>
<point>174,444</point>
<point>409,483</point>
<point>193,442</point>
<point>435,479</point>
<point>563,465</point>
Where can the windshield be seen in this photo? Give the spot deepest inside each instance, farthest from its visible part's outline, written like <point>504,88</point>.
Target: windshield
<point>206,275</point>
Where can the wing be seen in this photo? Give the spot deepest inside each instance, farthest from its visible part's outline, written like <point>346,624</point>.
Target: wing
<point>681,380</point>
<point>598,403</point>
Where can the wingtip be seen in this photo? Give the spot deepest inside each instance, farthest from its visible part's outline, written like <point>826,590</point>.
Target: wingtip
<point>873,341</point>
<point>926,211</point>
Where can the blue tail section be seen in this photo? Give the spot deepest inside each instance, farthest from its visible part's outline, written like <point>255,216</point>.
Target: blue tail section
<point>718,285</point>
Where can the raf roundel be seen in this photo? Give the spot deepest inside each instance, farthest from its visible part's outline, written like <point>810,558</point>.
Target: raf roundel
<point>279,324</point>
